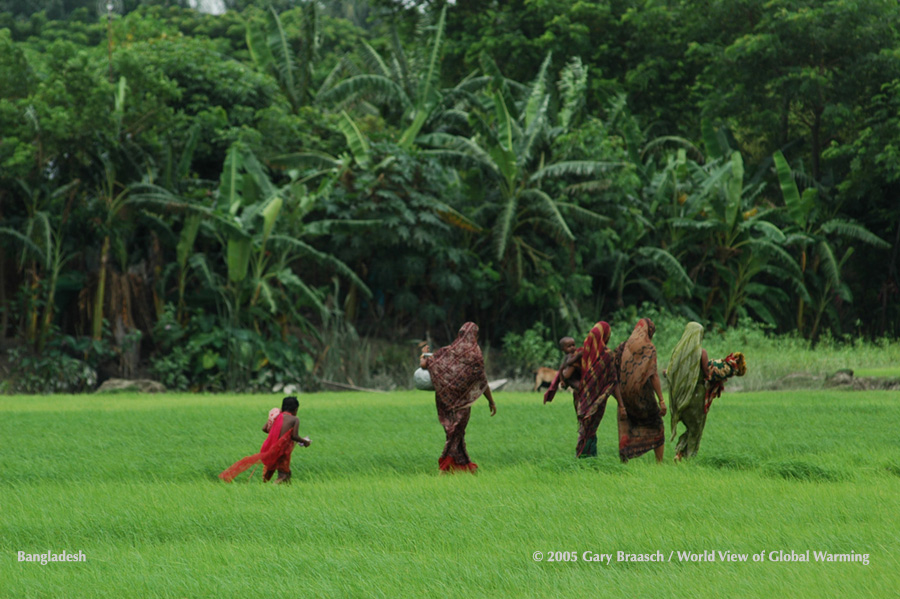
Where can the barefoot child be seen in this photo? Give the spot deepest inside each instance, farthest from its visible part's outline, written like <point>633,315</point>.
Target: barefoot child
<point>275,453</point>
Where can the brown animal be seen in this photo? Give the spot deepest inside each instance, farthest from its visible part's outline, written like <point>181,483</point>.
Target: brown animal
<point>543,377</point>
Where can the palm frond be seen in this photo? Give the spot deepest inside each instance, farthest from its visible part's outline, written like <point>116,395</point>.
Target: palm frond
<point>829,263</point>
<point>356,140</point>
<point>666,262</point>
<point>576,168</point>
<point>504,227</point>
<point>852,230</point>
<point>588,187</point>
<point>583,216</point>
<point>379,87</point>
<point>572,88</point>
<point>763,248</point>
<point>308,160</point>
<point>550,210</point>
<point>798,207</point>
<point>27,243</point>
<point>762,311</point>
<point>675,140</point>
<point>285,64</point>
<point>537,99</point>
<point>322,258</point>
<point>374,61</point>
<point>292,282</point>
<point>533,133</point>
<point>770,231</point>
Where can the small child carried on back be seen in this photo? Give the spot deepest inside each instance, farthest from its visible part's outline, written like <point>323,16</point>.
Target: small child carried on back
<point>569,374</point>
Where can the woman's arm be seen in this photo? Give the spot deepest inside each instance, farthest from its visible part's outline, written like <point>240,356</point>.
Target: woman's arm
<point>490,398</point>
<point>617,395</point>
<point>704,364</point>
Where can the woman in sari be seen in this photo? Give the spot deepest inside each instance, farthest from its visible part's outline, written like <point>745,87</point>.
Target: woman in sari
<point>641,427</point>
<point>694,381</point>
<point>598,382</point>
<point>457,373</point>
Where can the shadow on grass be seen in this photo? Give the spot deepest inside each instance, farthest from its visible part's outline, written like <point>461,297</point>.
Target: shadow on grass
<point>727,462</point>
<point>893,469</point>
<point>802,471</point>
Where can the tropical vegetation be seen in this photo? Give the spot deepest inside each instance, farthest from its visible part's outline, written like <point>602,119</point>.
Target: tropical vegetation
<point>250,194</point>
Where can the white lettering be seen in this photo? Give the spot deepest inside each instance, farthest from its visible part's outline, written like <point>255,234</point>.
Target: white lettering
<point>640,557</point>
<point>687,556</point>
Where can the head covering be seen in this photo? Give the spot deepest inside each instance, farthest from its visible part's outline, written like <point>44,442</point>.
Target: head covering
<point>683,372</point>
<point>638,358</point>
<point>457,370</point>
<point>598,375</point>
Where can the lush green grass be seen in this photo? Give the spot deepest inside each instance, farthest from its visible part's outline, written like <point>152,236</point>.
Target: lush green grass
<point>131,482</point>
<point>888,372</point>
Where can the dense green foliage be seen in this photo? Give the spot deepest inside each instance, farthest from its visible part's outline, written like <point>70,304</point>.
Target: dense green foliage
<point>134,487</point>
<point>234,200</point>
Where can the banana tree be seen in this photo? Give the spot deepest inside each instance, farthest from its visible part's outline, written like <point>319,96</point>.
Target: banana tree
<point>519,180</point>
<point>43,256</point>
<point>272,52</point>
<point>405,88</point>
<point>738,256</point>
<point>822,239</point>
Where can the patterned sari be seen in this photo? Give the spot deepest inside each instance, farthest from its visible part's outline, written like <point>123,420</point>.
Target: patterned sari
<point>598,377</point>
<point>457,372</point>
<point>642,429</point>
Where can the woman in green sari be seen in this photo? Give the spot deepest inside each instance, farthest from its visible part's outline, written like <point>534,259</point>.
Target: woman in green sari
<point>686,375</point>
<point>694,381</point>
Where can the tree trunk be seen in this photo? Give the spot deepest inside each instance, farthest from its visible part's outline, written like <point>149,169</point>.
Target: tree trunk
<point>97,323</point>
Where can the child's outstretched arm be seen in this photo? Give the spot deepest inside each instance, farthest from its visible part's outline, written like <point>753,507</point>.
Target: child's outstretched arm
<point>295,435</point>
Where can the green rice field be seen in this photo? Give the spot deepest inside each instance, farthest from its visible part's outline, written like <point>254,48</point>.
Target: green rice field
<point>892,372</point>
<point>130,481</point>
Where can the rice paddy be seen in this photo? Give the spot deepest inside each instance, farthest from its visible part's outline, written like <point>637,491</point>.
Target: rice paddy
<point>130,481</point>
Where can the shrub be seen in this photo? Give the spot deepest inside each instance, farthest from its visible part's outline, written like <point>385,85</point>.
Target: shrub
<point>531,350</point>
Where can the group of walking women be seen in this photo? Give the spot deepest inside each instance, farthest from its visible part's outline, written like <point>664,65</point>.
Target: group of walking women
<point>594,372</point>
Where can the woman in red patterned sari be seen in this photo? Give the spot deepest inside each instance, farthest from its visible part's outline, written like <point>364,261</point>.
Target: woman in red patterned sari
<point>457,372</point>
<point>641,427</point>
<point>598,382</point>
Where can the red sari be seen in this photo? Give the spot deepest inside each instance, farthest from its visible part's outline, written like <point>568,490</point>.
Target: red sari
<point>275,454</point>
<point>457,372</point>
<point>598,377</point>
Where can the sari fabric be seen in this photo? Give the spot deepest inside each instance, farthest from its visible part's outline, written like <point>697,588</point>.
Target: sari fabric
<point>598,376</point>
<point>457,372</point>
<point>642,429</point>
<point>687,390</point>
<point>275,454</point>
<point>683,372</point>
<point>722,370</point>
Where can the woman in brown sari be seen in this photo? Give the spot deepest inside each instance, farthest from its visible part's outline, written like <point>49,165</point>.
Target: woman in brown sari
<point>457,372</point>
<point>641,427</point>
<point>598,382</point>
